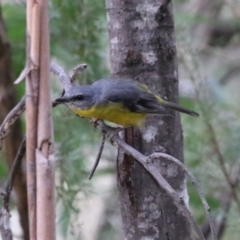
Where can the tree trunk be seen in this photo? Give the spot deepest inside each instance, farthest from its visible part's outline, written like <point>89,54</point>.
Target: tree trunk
<point>13,140</point>
<point>143,48</point>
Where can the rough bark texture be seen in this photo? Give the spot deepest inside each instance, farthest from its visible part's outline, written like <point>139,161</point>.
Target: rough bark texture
<point>143,48</point>
<point>13,140</point>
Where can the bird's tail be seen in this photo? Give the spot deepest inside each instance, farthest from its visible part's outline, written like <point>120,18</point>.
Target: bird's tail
<point>179,108</point>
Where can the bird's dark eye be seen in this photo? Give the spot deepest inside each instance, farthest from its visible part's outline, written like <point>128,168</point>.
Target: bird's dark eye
<point>78,97</point>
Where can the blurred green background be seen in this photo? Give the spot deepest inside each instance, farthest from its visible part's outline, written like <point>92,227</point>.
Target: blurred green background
<point>208,44</point>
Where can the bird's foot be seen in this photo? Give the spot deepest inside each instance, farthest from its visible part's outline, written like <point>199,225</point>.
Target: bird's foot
<point>113,131</point>
<point>94,122</point>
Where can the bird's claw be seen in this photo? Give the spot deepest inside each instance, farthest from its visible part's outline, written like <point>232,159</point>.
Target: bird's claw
<point>113,131</point>
<point>94,121</point>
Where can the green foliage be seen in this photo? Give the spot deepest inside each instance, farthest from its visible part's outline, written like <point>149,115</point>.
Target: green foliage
<point>15,19</point>
<point>78,34</point>
<point>205,65</point>
<point>3,167</point>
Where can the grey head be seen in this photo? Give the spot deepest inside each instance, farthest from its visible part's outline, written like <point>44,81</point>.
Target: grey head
<point>82,97</point>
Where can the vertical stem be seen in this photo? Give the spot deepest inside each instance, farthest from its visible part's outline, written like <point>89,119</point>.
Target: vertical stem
<point>32,85</point>
<point>39,125</point>
<point>45,165</point>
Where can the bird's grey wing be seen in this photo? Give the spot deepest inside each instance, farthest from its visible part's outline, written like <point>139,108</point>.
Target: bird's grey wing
<point>148,103</point>
<point>133,97</point>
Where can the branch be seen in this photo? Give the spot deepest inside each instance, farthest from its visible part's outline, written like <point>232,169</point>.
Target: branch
<point>98,156</point>
<point>23,74</point>
<point>11,119</point>
<point>5,228</point>
<point>14,170</point>
<point>61,74</point>
<point>77,71</point>
<point>194,182</point>
<point>146,162</point>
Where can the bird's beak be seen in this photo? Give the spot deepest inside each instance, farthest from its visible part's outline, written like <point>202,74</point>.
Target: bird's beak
<point>63,100</point>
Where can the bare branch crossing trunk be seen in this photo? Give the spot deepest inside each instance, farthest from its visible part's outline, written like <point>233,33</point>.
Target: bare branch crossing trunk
<point>143,48</point>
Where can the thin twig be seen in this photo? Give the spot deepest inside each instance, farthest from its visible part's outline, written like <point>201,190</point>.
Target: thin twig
<point>222,162</point>
<point>12,175</point>
<point>23,74</point>
<point>103,138</point>
<point>195,183</point>
<point>77,71</point>
<point>62,75</point>
<point>5,228</point>
<point>11,119</point>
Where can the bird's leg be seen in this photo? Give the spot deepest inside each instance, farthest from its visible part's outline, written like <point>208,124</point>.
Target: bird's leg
<point>119,129</point>
<point>110,131</point>
<point>113,131</point>
<point>103,137</point>
<point>94,121</point>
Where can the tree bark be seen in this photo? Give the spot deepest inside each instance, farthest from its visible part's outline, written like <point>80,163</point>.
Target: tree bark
<point>142,47</point>
<point>13,140</point>
<point>39,154</point>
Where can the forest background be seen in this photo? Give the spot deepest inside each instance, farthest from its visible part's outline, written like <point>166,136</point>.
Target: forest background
<point>208,45</point>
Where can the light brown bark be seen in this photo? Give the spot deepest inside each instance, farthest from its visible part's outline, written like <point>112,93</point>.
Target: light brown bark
<point>39,125</point>
<point>32,93</point>
<point>45,161</point>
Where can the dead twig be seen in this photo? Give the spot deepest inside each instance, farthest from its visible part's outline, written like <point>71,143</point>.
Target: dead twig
<point>103,138</point>
<point>194,182</point>
<point>15,167</point>
<point>5,228</point>
<point>23,74</point>
<point>62,75</point>
<point>77,71</point>
<point>11,119</point>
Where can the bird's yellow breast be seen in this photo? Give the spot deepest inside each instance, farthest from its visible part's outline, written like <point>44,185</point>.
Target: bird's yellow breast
<point>114,112</point>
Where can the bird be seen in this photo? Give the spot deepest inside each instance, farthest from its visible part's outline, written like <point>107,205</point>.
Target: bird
<point>121,101</point>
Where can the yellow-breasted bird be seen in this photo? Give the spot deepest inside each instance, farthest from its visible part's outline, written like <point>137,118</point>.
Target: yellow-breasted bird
<point>121,101</point>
